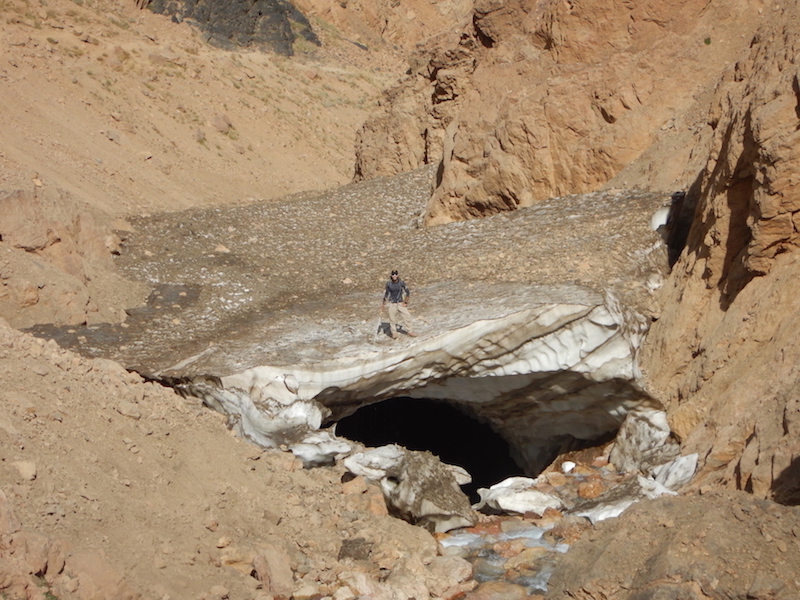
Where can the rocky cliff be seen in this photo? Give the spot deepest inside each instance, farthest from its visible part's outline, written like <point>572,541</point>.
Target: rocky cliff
<point>724,354</point>
<point>529,100</point>
<point>271,24</point>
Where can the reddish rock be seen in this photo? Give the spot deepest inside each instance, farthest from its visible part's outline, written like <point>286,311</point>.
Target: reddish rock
<point>591,488</point>
<point>41,554</point>
<point>8,520</point>
<point>509,548</point>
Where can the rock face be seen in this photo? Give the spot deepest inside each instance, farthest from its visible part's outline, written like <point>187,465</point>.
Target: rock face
<point>731,305</point>
<point>538,99</point>
<point>56,262</point>
<point>275,24</point>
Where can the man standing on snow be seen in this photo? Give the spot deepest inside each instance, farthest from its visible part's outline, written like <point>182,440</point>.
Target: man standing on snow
<point>396,295</point>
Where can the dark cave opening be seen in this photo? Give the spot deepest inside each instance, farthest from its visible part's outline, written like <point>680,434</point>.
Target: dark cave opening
<point>440,428</point>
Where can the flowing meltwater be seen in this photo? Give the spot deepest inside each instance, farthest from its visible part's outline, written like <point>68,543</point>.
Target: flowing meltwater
<point>514,551</point>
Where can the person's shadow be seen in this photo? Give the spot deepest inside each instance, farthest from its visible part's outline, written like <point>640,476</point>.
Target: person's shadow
<point>384,328</point>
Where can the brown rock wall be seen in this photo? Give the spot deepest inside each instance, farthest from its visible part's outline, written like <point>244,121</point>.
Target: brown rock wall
<point>56,262</point>
<point>723,357</point>
<point>541,99</point>
<point>388,22</point>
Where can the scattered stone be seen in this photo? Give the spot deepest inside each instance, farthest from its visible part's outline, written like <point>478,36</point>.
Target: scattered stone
<point>356,485</point>
<point>98,579</point>
<point>273,569</point>
<point>26,469</point>
<point>307,591</point>
<point>344,593</point>
<point>445,572</point>
<point>221,123</point>
<point>8,520</point>
<point>591,489</point>
<point>17,39</point>
<point>218,592</point>
<point>128,409</point>
<point>355,549</point>
<point>498,590</point>
<point>40,369</point>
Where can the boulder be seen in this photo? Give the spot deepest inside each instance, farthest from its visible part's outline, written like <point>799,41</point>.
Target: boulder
<point>416,486</point>
<point>56,264</point>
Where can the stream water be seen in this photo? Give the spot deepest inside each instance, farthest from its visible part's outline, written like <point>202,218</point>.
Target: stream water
<point>525,549</point>
<point>511,550</point>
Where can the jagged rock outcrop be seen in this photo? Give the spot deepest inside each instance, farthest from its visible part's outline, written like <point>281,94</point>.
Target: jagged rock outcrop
<point>538,99</point>
<point>723,356</point>
<point>274,24</point>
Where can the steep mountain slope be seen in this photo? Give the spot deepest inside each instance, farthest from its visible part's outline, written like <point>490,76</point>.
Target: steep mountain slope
<point>110,111</point>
